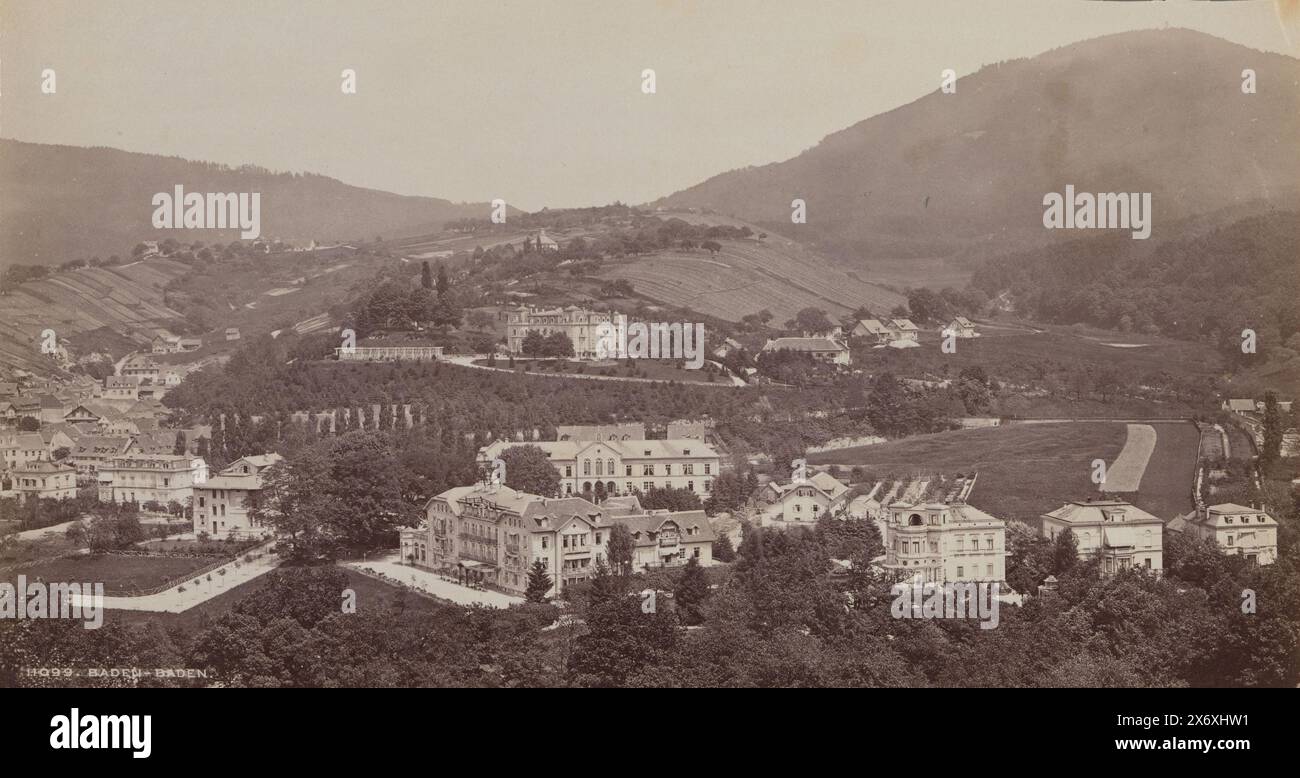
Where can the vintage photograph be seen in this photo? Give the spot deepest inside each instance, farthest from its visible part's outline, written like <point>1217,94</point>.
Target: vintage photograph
<point>688,344</point>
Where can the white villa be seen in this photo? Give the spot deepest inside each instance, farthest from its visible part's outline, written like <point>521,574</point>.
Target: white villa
<point>1117,532</point>
<point>939,542</point>
<point>803,502</point>
<point>822,349</point>
<point>1237,529</point>
<point>579,324</point>
<point>222,502</point>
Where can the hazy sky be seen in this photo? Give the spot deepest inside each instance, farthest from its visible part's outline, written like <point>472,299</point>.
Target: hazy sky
<point>535,101</point>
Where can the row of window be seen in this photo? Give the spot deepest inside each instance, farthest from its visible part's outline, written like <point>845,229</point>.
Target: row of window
<point>606,467</point>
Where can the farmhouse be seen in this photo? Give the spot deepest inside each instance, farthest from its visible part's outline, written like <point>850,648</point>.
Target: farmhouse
<point>803,502</point>
<point>903,330</point>
<point>612,467</point>
<point>1118,533</point>
<point>17,449</point>
<point>546,242</point>
<point>938,542</point>
<point>91,451</point>
<point>232,333</point>
<point>821,349</point>
<point>1240,406</point>
<point>872,330</point>
<point>961,327</point>
<point>1237,529</point>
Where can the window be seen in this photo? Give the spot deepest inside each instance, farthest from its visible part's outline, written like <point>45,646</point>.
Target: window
<point>647,486</point>
<point>688,469</point>
<point>628,472</point>
<point>708,469</point>
<point>610,466</point>
<point>586,467</point>
<point>600,467</point>
<point>647,470</point>
<point>546,542</point>
<point>568,471</point>
<point>598,538</point>
<point>961,572</point>
<point>988,570</point>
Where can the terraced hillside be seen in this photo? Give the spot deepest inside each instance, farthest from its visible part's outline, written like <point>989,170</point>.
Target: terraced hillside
<point>748,276</point>
<point>127,298</point>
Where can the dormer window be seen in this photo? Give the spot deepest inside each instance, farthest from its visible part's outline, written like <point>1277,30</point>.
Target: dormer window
<point>686,451</point>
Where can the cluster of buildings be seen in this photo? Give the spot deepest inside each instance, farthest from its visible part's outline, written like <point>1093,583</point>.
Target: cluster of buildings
<point>493,534</point>
<point>932,534</point>
<point>832,346</point>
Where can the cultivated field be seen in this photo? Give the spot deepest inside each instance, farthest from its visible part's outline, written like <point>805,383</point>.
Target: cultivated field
<point>748,276</point>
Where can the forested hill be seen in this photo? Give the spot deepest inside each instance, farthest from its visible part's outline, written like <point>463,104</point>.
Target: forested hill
<point>64,202</point>
<point>1207,285</point>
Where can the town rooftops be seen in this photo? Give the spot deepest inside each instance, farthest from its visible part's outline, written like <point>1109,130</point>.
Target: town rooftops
<point>1241,405</point>
<point>45,467</point>
<point>962,321</point>
<point>873,327</point>
<point>825,482</point>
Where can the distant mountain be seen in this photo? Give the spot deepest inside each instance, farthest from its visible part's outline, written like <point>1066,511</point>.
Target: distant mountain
<point>964,174</point>
<point>63,202</point>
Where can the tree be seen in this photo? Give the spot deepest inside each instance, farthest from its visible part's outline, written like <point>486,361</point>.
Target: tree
<point>711,246</point>
<point>529,469</point>
<point>1272,430</point>
<point>810,320</point>
<point>730,492</point>
<point>621,548</point>
<point>723,550</point>
<point>691,592</point>
<point>1065,553</point>
<point>426,275</point>
<point>672,498</point>
<point>539,582</point>
<point>534,344</point>
<point>443,284</point>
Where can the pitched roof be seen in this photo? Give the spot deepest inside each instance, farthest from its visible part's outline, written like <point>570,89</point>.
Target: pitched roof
<point>645,527</point>
<point>627,449</point>
<point>804,344</point>
<point>1107,512</point>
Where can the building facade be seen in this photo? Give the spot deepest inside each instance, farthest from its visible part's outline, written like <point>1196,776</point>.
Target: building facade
<point>803,502</point>
<point>493,535</point>
<point>222,502</point>
<point>1237,529</point>
<point>939,542</point>
<point>46,480</point>
<point>822,349</point>
<point>1118,533</point>
<point>578,324</point>
<point>621,467</point>
<point>142,478</point>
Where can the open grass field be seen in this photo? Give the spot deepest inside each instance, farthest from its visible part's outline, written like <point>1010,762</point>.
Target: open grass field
<point>748,276</point>
<point>1026,470</point>
<point>119,574</point>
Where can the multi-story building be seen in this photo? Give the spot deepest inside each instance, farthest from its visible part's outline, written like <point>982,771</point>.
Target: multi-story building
<point>938,542</point>
<point>19,448</point>
<point>620,467</point>
<point>1237,529</point>
<point>578,324</point>
<point>803,502</point>
<point>120,388</point>
<point>46,480</point>
<point>222,503</point>
<point>1118,533</point>
<point>493,534</point>
<point>142,478</point>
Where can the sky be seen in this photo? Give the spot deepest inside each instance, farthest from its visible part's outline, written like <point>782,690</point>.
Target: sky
<point>538,102</point>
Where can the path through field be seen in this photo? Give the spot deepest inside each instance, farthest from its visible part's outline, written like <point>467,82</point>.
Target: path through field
<point>1125,473</point>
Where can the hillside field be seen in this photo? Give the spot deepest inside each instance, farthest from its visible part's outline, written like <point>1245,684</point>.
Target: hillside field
<point>1026,470</point>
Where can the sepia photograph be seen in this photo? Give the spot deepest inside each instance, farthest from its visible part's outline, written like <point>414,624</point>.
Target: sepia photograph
<point>921,346</point>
